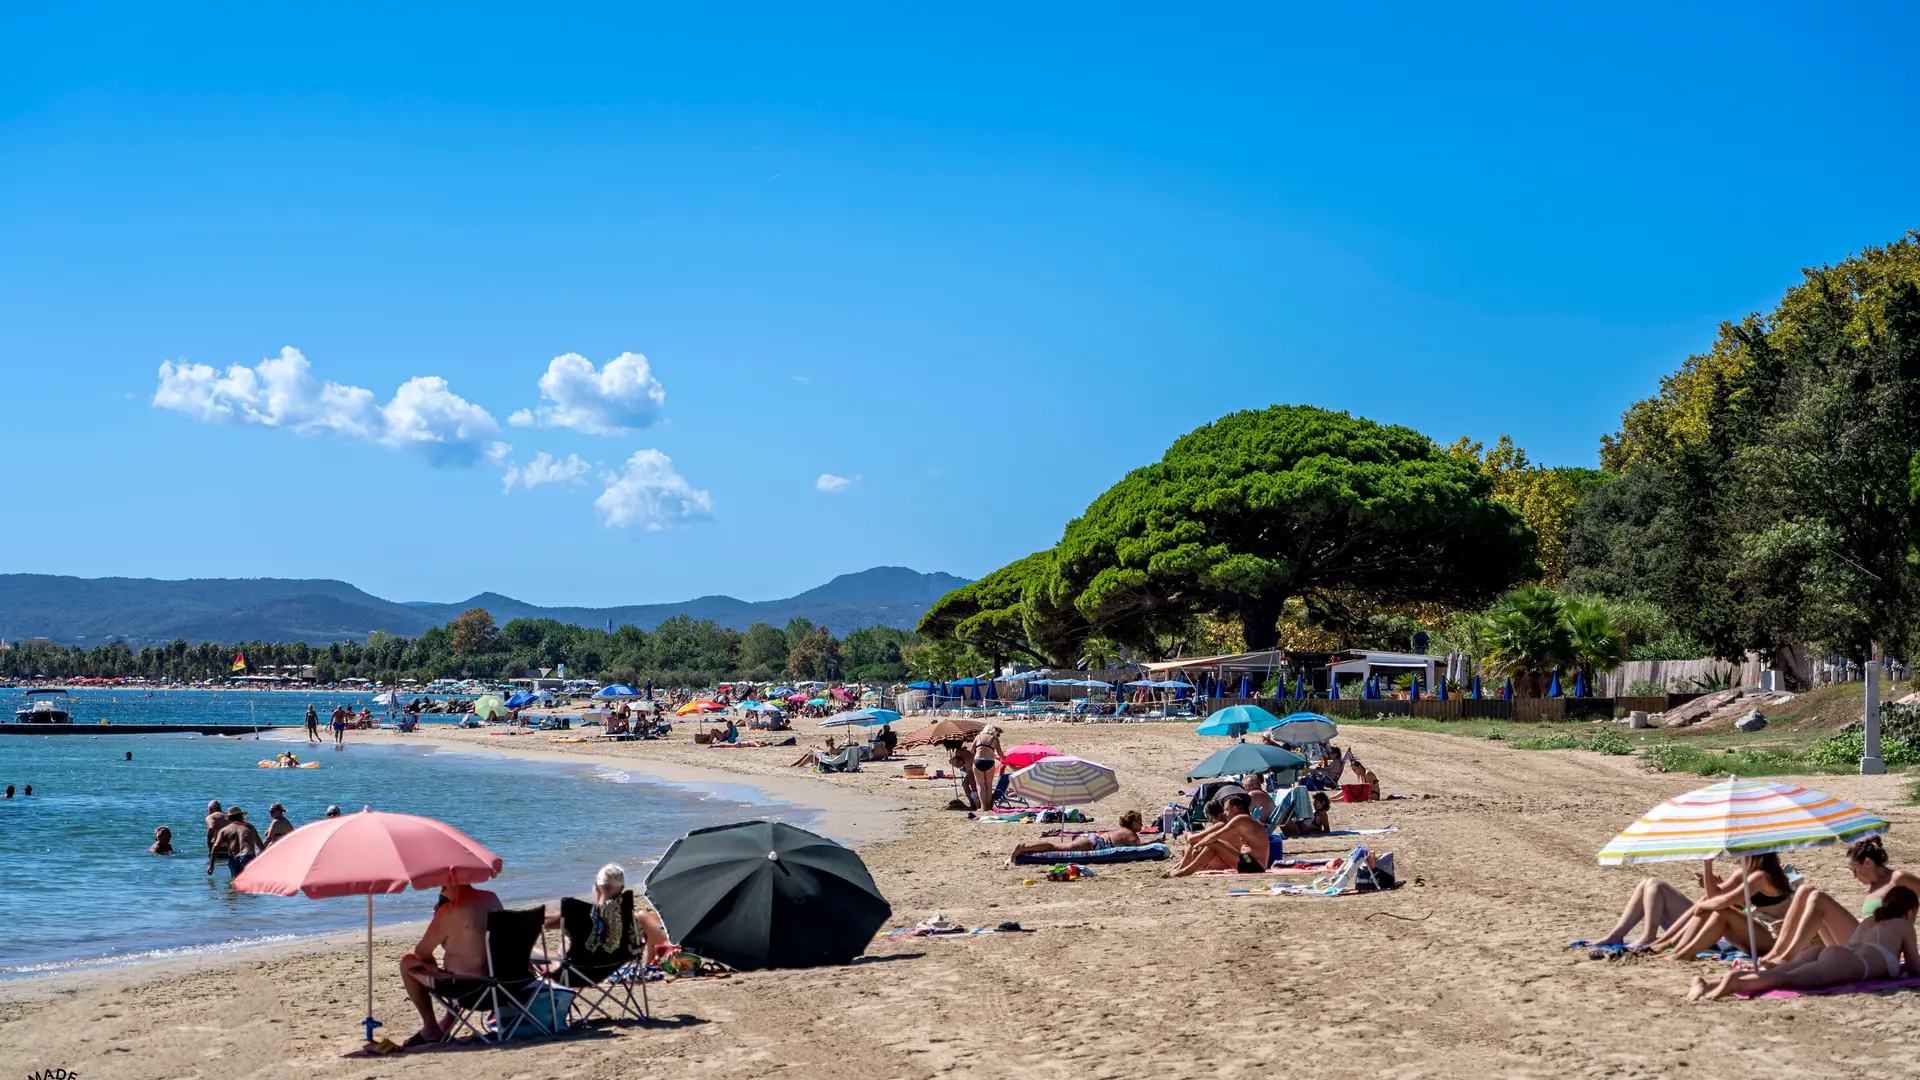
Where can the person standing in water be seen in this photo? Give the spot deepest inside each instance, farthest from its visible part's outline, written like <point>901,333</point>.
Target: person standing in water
<point>277,825</point>
<point>240,840</point>
<point>216,821</point>
<point>313,724</point>
<point>340,726</point>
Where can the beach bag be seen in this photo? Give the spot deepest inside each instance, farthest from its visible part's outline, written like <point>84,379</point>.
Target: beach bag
<point>549,1009</point>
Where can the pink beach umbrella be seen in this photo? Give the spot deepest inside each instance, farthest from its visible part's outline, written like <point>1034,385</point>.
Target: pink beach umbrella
<point>1027,753</point>
<point>363,854</point>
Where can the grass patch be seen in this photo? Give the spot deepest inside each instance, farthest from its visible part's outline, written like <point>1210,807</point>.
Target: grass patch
<point>1560,741</point>
<point>1672,757</point>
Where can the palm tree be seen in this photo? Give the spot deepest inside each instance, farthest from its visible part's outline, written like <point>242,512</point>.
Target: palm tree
<point>1597,646</point>
<point>1530,636</point>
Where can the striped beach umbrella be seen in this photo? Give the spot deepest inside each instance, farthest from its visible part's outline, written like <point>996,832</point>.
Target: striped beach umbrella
<point>1063,781</point>
<point>1739,817</point>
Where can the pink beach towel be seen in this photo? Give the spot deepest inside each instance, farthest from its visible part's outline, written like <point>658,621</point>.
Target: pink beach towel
<point>1844,988</point>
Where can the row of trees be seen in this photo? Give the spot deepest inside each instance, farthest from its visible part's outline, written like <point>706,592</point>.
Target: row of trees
<point>681,651</point>
<point>1768,496</point>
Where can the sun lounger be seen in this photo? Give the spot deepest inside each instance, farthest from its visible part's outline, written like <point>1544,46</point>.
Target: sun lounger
<point>1109,855</point>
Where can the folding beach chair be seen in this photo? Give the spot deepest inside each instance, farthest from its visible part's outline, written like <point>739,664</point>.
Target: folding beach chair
<point>603,964</point>
<point>511,985</point>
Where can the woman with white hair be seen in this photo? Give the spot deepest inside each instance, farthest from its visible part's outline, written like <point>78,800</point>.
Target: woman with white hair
<point>987,758</point>
<point>609,922</point>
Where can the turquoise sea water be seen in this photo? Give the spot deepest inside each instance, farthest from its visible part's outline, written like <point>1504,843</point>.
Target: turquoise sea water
<point>77,887</point>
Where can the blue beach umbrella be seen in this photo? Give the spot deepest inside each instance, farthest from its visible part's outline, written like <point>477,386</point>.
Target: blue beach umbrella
<point>1300,729</point>
<point>649,689</point>
<point>1245,688</point>
<point>1553,688</point>
<point>616,690</point>
<point>1413,689</point>
<point>1507,693</point>
<point>1476,688</point>
<point>1236,720</point>
<point>1580,684</point>
<point>1333,687</point>
<point>1440,688</point>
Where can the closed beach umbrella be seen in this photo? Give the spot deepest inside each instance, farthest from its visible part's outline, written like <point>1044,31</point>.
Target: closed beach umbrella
<point>617,690</point>
<point>363,854</point>
<point>1579,684</point>
<point>764,894</point>
<point>955,730</point>
<point>1300,687</point>
<point>487,707</point>
<point>1027,753</point>
<point>1413,689</point>
<point>1476,688</point>
<point>1301,729</point>
<point>649,689</point>
<point>1553,689</point>
<point>1236,720</point>
<point>1242,758</point>
<point>1507,691</point>
<point>1064,781</point>
<point>1739,817</point>
<point>1333,686</point>
<point>1440,688</point>
<point>1245,688</point>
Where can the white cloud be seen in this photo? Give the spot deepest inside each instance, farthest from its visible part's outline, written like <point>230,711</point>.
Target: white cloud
<point>833,485</point>
<point>614,400</point>
<point>281,392</point>
<point>648,494</point>
<point>545,469</point>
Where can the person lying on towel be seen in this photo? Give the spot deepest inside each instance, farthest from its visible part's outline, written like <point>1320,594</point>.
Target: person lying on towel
<point>1237,843</point>
<point>1127,835</point>
<point>1881,949</point>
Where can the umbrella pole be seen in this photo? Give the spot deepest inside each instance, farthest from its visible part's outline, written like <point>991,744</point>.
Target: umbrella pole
<point>1753,943</point>
<point>370,1022</point>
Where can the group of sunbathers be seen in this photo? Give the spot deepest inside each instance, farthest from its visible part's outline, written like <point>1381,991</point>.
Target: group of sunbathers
<point>1804,938</point>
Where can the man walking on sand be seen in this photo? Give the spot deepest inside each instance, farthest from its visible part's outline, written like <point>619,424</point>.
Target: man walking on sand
<point>459,930</point>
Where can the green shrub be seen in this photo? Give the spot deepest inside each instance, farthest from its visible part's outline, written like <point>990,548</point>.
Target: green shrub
<point>1844,749</point>
<point>1664,756</point>
<point>1496,735</point>
<point>1645,688</point>
<point>1547,742</point>
<point>1610,742</point>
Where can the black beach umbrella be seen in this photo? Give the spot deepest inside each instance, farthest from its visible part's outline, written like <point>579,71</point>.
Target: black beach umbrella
<point>763,894</point>
<point>1242,758</point>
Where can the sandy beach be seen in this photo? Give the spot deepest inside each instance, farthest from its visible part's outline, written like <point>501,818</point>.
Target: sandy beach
<point>1460,973</point>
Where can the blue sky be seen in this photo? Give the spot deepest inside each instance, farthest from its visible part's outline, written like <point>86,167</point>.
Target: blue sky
<point>975,263</point>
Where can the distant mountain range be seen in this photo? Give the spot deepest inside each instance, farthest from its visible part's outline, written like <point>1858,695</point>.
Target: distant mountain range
<point>141,611</point>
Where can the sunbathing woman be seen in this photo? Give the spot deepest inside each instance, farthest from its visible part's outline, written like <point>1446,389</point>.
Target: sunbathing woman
<point>1127,835</point>
<point>1875,952</point>
<point>1815,917</point>
<point>1762,885</point>
<point>1655,906</point>
<point>1321,822</point>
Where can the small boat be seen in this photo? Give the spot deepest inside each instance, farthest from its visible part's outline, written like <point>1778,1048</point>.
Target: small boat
<point>44,707</point>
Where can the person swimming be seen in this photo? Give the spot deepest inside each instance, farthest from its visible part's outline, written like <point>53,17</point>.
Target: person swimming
<point>162,841</point>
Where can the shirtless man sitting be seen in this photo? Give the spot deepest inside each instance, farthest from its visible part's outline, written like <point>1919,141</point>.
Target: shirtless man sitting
<point>459,931</point>
<point>1237,843</point>
<point>239,839</point>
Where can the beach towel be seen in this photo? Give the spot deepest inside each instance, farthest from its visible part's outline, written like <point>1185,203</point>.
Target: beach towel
<point>1351,832</point>
<point>1845,988</point>
<point>1109,855</point>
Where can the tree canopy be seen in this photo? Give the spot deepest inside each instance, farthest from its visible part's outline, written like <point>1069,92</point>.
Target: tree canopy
<point>1263,506</point>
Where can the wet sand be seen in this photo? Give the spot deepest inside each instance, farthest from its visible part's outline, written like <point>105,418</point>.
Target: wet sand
<point>1462,973</point>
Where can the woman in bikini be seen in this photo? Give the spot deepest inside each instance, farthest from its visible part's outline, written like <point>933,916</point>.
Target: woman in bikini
<point>1127,835</point>
<point>1881,948</point>
<point>1815,917</point>
<point>1761,887</point>
<point>987,756</point>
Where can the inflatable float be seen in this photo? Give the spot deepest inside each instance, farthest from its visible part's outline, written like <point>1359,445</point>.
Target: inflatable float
<point>277,765</point>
